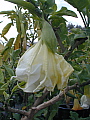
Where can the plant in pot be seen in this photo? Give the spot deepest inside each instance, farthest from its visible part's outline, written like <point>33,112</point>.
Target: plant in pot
<point>79,107</point>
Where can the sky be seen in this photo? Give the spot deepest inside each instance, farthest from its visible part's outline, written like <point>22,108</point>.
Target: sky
<point>4,6</point>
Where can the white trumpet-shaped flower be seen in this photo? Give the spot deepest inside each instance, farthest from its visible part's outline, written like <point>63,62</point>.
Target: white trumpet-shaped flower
<point>40,68</point>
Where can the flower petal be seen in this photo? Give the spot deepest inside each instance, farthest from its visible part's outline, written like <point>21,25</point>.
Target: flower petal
<point>40,68</point>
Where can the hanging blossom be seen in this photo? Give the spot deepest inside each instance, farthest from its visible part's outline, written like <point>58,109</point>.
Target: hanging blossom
<point>41,67</point>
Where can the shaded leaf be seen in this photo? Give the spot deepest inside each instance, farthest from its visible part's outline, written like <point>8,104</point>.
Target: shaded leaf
<point>6,96</point>
<point>16,87</point>
<point>1,91</point>
<point>15,54</point>
<point>70,95</point>
<point>65,11</point>
<point>50,3</point>
<point>1,76</point>
<point>79,4</point>
<point>9,70</point>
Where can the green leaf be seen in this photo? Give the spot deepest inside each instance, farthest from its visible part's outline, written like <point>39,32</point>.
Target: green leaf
<point>5,86</point>
<point>65,11</point>
<point>15,54</point>
<point>88,67</point>
<point>10,42</point>
<point>7,49</point>
<point>38,94</point>
<point>6,96</point>
<point>9,70</point>
<point>26,5</point>
<point>16,87</point>
<point>48,11</point>
<point>74,115</point>
<point>6,29</point>
<point>1,91</point>
<point>9,12</point>
<point>63,31</point>
<point>53,110</point>
<point>70,95</point>
<point>1,76</point>
<point>79,4</point>
<point>57,20</point>
<point>48,36</point>
<point>88,30</point>
<point>54,7</point>
<point>50,3</point>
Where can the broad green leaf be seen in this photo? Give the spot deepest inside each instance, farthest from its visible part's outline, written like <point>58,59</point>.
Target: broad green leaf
<point>50,3</point>
<point>26,5</point>
<point>48,11</point>
<point>6,29</point>
<point>57,20</point>
<point>82,35</point>
<point>78,33</point>
<point>79,4</point>
<point>76,30</point>
<point>65,11</point>
<point>48,36</point>
<point>9,70</point>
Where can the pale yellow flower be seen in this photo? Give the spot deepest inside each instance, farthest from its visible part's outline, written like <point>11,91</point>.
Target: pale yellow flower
<point>76,105</point>
<point>40,68</point>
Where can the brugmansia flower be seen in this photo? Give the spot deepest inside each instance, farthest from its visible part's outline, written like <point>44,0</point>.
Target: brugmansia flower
<point>40,67</point>
<point>76,105</point>
<point>85,102</point>
<point>85,99</point>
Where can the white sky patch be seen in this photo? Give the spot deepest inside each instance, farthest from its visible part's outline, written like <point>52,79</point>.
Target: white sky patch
<point>73,20</point>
